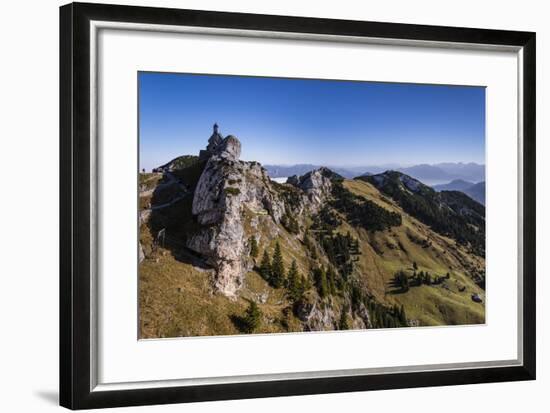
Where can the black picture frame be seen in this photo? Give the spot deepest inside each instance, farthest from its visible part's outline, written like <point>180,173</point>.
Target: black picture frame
<point>75,219</point>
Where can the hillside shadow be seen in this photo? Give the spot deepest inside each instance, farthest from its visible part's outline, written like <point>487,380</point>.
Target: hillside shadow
<point>239,322</point>
<point>171,221</point>
<point>395,288</point>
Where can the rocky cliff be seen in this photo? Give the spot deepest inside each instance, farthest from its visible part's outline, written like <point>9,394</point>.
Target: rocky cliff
<point>316,186</point>
<point>229,186</point>
<point>225,187</point>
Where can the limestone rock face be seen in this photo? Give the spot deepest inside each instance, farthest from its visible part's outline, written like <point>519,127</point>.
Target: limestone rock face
<point>317,316</point>
<point>225,188</point>
<point>316,185</point>
<point>230,148</point>
<point>321,318</point>
<point>362,319</point>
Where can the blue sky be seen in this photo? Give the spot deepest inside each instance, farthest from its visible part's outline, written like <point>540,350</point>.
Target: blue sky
<point>290,121</point>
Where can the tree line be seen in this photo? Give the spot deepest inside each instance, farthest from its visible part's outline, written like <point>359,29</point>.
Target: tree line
<point>403,282</point>
<point>335,279</point>
<point>272,270</point>
<point>362,212</point>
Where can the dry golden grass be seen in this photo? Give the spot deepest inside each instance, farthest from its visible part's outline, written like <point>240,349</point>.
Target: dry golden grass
<point>387,252</point>
<point>177,298</point>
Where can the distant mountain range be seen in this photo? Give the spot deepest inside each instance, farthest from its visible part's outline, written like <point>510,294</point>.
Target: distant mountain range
<point>450,213</point>
<point>442,172</point>
<point>455,185</point>
<point>474,191</point>
<point>430,174</point>
<point>281,171</point>
<point>477,192</point>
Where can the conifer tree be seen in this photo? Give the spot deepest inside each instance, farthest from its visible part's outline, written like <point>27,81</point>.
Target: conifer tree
<point>294,283</point>
<point>321,281</point>
<point>427,278</point>
<point>331,284</point>
<point>343,323</point>
<point>402,316</point>
<point>253,247</point>
<point>306,283</point>
<point>402,280</point>
<point>277,268</point>
<point>306,240</point>
<point>252,317</point>
<point>314,253</point>
<point>421,277</point>
<point>265,267</point>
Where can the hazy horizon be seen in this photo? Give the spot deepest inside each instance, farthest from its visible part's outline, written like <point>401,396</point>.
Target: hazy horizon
<point>344,124</point>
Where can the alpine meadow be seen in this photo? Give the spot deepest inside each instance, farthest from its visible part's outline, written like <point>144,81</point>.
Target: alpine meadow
<point>275,205</point>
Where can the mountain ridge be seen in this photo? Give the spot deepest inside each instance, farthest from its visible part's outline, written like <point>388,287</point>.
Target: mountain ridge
<point>320,252</point>
<point>427,173</point>
<point>476,191</point>
<point>450,213</point>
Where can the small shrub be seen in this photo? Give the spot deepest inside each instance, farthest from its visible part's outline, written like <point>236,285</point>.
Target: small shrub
<point>232,191</point>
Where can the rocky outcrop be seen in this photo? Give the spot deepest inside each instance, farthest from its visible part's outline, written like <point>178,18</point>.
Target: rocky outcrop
<point>318,315</point>
<point>362,319</point>
<point>230,148</point>
<point>228,186</point>
<point>316,185</point>
<point>225,187</point>
<point>141,253</point>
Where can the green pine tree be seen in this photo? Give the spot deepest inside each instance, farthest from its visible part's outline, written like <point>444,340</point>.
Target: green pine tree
<point>277,268</point>
<point>307,241</point>
<point>402,280</point>
<point>343,323</point>
<point>252,318</point>
<point>331,284</point>
<point>320,278</point>
<point>306,284</point>
<point>265,267</point>
<point>314,255</point>
<point>294,283</point>
<point>253,247</point>
<point>402,316</point>
<point>427,278</point>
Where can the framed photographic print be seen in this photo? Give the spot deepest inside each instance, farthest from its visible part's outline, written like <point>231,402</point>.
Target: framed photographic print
<point>257,206</point>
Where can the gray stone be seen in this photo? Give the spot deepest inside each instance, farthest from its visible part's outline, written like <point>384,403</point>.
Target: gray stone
<point>141,253</point>
<point>316,185</point>
<point>225,187</point>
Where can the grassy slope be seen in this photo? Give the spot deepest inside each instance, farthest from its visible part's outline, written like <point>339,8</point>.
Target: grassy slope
<point>430,305</point>
<point>177,299</point>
